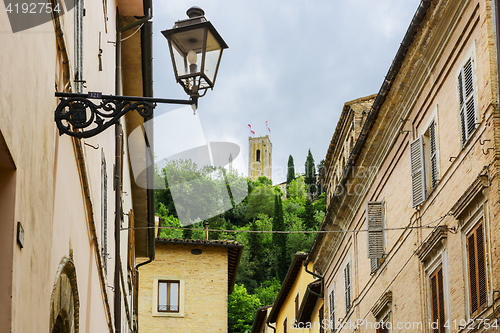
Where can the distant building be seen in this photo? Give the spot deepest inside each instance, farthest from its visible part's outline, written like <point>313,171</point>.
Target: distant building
<point>186,287</point>
<point>260,157</point>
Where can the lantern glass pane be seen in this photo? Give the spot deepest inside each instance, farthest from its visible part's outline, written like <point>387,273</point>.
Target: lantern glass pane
<point>186,62</point>
<point>212,57</point>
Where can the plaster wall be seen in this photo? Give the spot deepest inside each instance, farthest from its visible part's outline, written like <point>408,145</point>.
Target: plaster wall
<point>49,197</point>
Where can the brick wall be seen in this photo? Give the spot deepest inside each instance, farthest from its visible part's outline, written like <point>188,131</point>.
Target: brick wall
<point>205,287</point>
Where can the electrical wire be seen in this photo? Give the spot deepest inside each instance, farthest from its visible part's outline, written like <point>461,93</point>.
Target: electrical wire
<point>123,39</point>
<point>425,226</point>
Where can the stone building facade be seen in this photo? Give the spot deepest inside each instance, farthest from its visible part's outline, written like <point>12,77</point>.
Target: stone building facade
<point>260,157</point>
<point>412,221</point>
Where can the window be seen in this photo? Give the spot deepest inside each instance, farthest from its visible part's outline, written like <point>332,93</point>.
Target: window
<point>285,325</point>
<point>476,264</point>
<point>466,97</point>
<point>382,312</point>
<point>434,256</point>
<point>347,279</point>
<point>375,218</point>
<point>104,212</point>
<point>437,300</point>
<point>383,326</point>
<point>257,155</point>
<point>424,164</point>
<point>168,296</point>
<point>331,298</point>
<point>430,152</point>
<point>321,317</point>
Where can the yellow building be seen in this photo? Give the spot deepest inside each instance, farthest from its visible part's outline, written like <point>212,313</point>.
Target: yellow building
<point>413,213</point>
<point>260,158</point>
<point>186,287</point>
<point>298,306</point>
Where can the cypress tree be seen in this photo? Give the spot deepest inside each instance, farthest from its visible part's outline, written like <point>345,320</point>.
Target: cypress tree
<point>310,177</point>
<point>309,221</point>
<point>280,239</point>
<point>290,174</point>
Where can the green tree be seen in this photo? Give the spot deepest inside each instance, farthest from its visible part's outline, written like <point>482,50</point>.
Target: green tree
<point>268,291</point>
<point>255,253</point>
<point>297,191</point>
<point>290,174</point>
<point>280,239</point>
<point>310,175</point>
<point>260,201</point>
<point>309,220</point>
<point>241,309</point>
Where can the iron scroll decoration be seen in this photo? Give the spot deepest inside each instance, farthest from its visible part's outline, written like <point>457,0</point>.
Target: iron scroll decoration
<point>77,116</point>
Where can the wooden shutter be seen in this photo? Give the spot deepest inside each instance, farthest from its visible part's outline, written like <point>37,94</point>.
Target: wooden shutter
<point>477,269</point>
<point>331,298</point>
<point>437,300</point>
<point>131,241</point>
<point>347,280</point>
<point>466,93</point>
<point>433,154</point>
<point>417,171</point>
<point>375,225</point>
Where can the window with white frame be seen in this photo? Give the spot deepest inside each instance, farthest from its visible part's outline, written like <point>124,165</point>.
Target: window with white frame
<point>467,100</point>
<point>168,296</point>
<point>471,212</point>
<point>331,299</point>
<point>347,283</point>
<point>433,255</point>
<point>375,220</point>
<point>476,268</point>
<point>424,164</point>
<point>437,298</point>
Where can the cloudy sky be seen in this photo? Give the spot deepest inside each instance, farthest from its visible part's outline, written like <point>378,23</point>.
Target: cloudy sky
<point>293,63</point>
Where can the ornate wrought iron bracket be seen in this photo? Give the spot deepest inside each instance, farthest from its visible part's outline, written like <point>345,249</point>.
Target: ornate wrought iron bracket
<point>79,117</point>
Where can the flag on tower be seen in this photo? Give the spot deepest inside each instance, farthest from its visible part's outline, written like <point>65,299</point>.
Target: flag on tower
<point>267,126</point>
<point>250,127</point>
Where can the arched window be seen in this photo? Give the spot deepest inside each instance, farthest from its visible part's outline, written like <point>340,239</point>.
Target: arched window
<point>257,155</point>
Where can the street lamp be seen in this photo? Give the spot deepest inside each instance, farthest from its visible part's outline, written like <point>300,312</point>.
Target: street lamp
<point>196,49</point>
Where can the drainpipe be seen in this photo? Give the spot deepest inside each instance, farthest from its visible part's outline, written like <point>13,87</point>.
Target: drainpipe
<point>316,276</point>
<point>118,178</point>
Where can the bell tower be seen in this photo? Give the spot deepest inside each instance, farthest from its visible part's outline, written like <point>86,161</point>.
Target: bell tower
<point>260,157</point>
